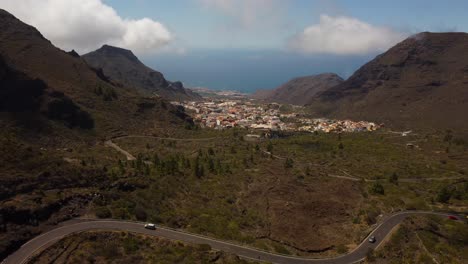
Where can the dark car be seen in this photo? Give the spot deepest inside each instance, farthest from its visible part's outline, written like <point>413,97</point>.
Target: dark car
<point>372,239</point>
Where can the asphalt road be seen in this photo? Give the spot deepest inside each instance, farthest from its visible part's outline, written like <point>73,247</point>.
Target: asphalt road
<point>47,239</point>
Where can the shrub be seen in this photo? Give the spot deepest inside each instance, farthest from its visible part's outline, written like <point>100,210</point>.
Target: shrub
<point>371,217</point>
<point>204,247</point>
<point>140,214</point>
<point>281,249</point>
<point>103,212</point>
<point>370,256</point>
<point>341,249</point>
<point>356,220</point>
<point>130,245</point>
<point>109,94</point>
<point>377,188</point>
<point>444,195</point>
<point>289,163</point>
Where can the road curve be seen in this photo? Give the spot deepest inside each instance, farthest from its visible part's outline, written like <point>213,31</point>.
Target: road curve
<point>47,239</point>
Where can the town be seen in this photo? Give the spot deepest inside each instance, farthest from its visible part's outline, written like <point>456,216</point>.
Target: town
<point>224,114</point>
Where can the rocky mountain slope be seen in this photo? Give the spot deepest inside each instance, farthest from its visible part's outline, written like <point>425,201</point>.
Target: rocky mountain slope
<point>300,91</point>
<point>69,87</point>
<point>421,82</point>
<point>123,66</point>
<point>55,112</point>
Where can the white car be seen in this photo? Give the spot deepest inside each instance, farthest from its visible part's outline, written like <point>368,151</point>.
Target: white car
<point>372,239</point>
<point>150,226</point>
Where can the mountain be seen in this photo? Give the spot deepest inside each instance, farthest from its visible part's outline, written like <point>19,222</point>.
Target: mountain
<point>421,82</point>
<point>123,66</point>
<point>66,90</point>
<point>300,91</point>
<point>55,113</point>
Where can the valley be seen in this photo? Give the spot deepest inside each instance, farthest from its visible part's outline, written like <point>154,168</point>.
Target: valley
<point>93,147</point>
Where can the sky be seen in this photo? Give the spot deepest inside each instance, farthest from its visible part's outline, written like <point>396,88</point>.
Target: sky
<point>240,44</point>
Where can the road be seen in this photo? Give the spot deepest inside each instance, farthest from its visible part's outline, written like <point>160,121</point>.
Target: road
<point>407,180</point>
<point>47,239</point>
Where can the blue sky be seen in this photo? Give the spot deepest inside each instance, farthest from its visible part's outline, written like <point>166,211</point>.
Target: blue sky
<point>198,26</point>
<point>240,44</point>
<point>223,60</point>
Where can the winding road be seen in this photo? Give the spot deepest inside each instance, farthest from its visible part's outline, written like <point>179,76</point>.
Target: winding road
<point>47,239</point>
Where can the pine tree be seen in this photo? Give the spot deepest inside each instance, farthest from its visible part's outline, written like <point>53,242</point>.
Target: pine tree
<point>211,165</point>
<point>270,147</point>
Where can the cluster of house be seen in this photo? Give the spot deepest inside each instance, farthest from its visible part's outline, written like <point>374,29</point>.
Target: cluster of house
<point>227,114</point>
<point>223,114</point>
<point>329,126</point>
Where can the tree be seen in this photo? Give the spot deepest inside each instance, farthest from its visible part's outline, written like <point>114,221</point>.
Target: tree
<point>147,170</point>
<point>341,146</point>
<point>444,195</point>
<point>198,170</point>
<point>270,147</point>
<point>211,151</point>
<point>121,167</point>
<point>211,165</point>
<point>139,163</point>
<point>156,160</point>
<point>393,178</point>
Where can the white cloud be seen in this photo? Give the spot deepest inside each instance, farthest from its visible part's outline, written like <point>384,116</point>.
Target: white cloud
<point>85,25</point>
<point>344,36</point>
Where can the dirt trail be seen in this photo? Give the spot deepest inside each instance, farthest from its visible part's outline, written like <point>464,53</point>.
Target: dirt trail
<point>111,144</point>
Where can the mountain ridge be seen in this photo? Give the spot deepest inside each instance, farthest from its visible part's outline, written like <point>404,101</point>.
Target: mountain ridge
<point>422,82</point>
<point>299,90</point>
<point>121,65</point>
<point>71,84</point>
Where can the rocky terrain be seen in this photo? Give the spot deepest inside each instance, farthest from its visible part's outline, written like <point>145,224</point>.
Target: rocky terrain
<point>119,247</point>
<point>317,210</point>
<point>425,240</point>
<point>299,91</point>
<point>421,82</point>
<point>123,66</point>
